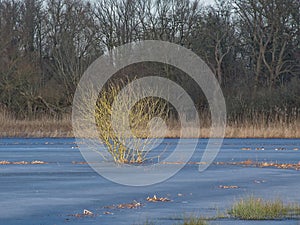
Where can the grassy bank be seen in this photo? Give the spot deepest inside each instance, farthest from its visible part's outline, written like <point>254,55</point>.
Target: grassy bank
<point>62,127</point>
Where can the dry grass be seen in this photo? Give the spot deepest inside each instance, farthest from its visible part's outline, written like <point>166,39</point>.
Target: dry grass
<point>276,130</point>
<point>251,130</point>
<point>53,127</point>
<point>194,221</point>
<point>42,127</point>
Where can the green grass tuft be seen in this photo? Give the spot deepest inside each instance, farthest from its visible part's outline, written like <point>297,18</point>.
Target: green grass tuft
<point>194,221</point>
<point>258,209</point>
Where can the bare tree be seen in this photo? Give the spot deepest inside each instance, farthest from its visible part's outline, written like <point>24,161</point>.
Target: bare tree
<point>268,23</point>
<point>214,37</point>
<point>117,22</point>
<point>74,40</point>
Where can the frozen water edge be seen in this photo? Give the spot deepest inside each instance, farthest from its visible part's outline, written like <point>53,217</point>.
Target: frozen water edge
<point>49,194</point>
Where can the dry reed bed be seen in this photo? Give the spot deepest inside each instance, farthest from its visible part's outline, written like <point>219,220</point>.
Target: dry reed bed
<point>42,127</point>
<point>62,127</point>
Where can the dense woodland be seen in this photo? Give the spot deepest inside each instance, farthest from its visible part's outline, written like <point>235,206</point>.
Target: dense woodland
<point>252,46</point>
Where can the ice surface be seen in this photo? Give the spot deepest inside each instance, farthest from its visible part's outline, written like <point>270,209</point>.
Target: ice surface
<point>52,193</point>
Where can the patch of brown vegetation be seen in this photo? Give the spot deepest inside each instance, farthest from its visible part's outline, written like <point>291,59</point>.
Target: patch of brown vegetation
<point>84,214</point>
<point>20,163</point>
<point>38,162</point>
<point>4,162</point>
<point>249,162</point>
<point>131,205</point>
<point>80,163</point>
<point>156,199</point>
<point>281,165</point>
<point>180,163</point>
<point>228,186</point>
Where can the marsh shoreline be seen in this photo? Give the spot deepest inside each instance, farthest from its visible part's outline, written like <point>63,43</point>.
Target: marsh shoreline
<point>63,128</point>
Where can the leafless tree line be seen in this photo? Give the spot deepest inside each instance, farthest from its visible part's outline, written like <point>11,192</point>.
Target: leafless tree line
<point>252,46</point>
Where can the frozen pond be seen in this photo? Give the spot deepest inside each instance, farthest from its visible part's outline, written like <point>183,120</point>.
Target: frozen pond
<point>53,193</point>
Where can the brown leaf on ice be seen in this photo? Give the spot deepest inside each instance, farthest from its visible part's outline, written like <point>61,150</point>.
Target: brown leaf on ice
<point>156,199</point>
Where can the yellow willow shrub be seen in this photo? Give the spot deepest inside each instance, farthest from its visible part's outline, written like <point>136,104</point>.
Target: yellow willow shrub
<point>128,144</point>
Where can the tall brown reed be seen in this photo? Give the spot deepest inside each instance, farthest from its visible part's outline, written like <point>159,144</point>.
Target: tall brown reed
<point>253,124</point>
<point>44,126</point>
